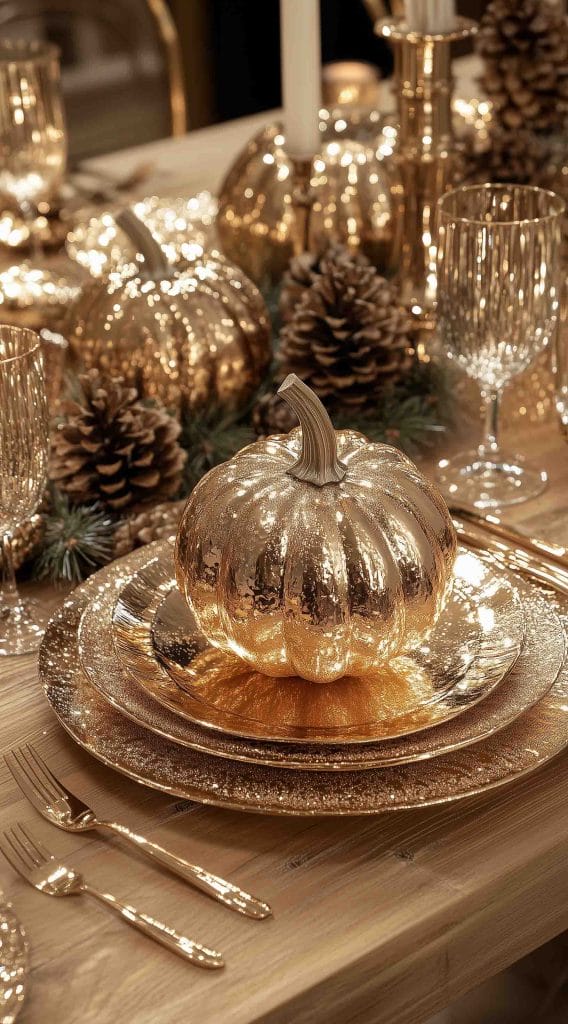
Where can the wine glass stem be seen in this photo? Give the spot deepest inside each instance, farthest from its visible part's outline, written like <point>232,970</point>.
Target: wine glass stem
<point>490,443</point>
<point>10,594</point>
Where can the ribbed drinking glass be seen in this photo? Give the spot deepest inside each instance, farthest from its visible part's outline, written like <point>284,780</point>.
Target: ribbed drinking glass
<point>33,147</point>
<point>23,473</point>
<point>499,279</point>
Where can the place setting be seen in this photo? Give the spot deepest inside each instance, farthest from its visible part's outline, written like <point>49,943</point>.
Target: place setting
<point>239,457</point>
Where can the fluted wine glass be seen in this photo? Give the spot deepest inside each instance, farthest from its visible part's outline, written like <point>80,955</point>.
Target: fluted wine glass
<point>23,473</point>
<point>33,148</point>
<point>499,280</point>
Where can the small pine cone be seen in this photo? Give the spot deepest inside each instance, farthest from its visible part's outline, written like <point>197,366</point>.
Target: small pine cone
<point>113,449</point>
<point>519,158</point>
<point>302,272</point>
<point>148,524</point>
<point>272,415</point>
<point>349,335</point>
<point>26,539</point>
<point>524,46</point>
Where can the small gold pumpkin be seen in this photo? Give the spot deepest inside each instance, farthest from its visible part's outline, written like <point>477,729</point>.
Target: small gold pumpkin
<point>198,332</point>
<point>315,553</point>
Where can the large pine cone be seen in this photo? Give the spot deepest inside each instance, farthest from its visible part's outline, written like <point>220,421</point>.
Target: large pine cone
<point>113,449</point>
<point>348,337</point>
<point>524,44</point>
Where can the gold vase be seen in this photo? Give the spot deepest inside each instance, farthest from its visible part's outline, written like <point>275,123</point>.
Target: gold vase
<point>425,155</point>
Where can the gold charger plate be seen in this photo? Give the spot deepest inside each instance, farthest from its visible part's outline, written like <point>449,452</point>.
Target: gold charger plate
<point>519,691</point>
<point>468,652</point>
<point>531,741</point>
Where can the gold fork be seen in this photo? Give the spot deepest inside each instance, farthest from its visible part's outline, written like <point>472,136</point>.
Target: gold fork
<point>58,805</point>
<point>47,874</point>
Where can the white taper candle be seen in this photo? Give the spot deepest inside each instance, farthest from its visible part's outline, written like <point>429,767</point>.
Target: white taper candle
<point>300,50</point>
<point>430,16</point>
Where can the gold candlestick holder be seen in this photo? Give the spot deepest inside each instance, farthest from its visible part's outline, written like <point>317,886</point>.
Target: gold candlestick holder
<point>426,156</point>
<point>273,205</point>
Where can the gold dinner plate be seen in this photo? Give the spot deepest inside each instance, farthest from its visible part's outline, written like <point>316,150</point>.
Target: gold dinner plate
<point>468,652</point>
<point>530,741</point>
<point>13,963</point>
<point>519,691</point>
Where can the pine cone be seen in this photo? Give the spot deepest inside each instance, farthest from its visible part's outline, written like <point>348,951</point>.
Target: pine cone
<point>26,540</point>
<point>147,525</point>
<point>520,157</point>
<point>524,44</point>
<point>113,449</point>
<point>272,415</point>
<point>303,271</point>
<point>348,336</point>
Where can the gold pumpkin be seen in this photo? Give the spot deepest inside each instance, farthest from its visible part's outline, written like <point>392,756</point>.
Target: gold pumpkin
<point>198,332</point>
<point>316,553</point>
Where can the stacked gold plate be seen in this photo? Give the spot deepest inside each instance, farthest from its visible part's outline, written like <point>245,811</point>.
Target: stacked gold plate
<point>483,702</point>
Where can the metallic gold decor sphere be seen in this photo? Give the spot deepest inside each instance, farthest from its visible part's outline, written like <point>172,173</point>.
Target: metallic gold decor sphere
<point>273,206</point>
<point>315,553</point>
<point>195,332</point>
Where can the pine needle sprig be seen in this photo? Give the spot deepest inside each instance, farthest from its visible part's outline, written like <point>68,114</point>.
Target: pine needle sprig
<point>77,540</point>
<point>209,437</point>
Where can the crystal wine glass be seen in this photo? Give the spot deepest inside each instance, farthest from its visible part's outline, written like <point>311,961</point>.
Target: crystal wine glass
<point>33,148</point>
<point>498,307</point>
<point>23,473</point>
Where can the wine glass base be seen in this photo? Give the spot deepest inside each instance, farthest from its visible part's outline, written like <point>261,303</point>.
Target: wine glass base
<point>22,628</point>
<point>489,479</point>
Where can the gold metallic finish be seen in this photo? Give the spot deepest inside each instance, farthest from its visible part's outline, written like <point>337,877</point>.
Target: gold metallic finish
<point>66,811</point>
<point>315,581</point>
<point>13,963</point>
<point>424,155</point>
<point>543,549</point>
<point>272,206</point>
<point>113,680</point>
<point>466,655</point>
<point>196,333</point>
<point>516,559</point>
<point>536,737</point>
<point>185,227</point>
<point>40,868</point>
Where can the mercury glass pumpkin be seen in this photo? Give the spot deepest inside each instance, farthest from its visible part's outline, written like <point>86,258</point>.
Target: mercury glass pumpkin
<point>315,553</point>
<point>197,331</point>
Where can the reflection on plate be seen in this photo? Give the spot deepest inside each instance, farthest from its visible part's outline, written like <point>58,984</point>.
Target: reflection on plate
<point>519,691</point>
<point>533,739</point>
<point>183,226</point>
<point>13,964</point>
<point>468,652</point>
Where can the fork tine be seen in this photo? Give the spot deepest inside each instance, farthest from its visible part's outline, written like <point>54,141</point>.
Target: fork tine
<point>47,774</point>
<point>34,770</point>
<point>19,849</point>
<point>21,838</point>
<point>28,787</point>
<point>41,850</point>
<point>12,857</point>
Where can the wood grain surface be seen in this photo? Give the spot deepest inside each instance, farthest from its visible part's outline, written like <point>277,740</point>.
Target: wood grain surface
<point>376,921</point>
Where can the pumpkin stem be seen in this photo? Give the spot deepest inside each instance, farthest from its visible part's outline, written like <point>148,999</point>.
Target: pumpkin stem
<point>156,264</point>
<point>318,462</point>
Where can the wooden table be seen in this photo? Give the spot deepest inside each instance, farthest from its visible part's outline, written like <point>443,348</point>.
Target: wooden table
<point>376,921</point>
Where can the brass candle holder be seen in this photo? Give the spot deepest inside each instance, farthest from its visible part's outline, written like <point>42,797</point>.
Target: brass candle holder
<point>273,205</point>
<point>426,156</point>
